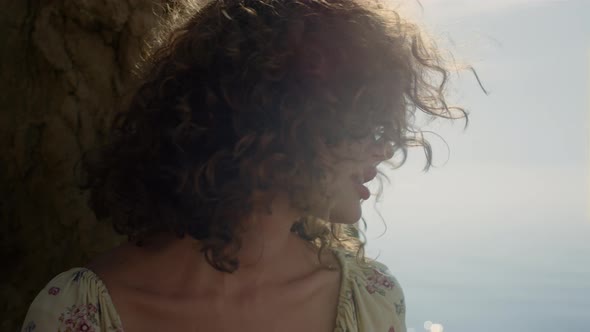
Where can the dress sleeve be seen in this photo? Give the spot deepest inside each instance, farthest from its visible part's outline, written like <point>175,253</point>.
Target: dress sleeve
<point>394,295</point>
<point>380,300</point>
<point>75,300</point>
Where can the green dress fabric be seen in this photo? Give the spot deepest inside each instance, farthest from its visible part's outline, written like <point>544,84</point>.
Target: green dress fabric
<point>370,300</point>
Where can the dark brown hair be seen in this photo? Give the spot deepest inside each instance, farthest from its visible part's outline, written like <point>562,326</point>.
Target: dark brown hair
<point>247,95</point>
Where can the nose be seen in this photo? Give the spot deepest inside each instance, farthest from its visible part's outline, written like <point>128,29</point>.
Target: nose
<point>381,151</point>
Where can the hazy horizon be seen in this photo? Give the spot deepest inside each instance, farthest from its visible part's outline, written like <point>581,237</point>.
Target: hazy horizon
<point>496,237</point>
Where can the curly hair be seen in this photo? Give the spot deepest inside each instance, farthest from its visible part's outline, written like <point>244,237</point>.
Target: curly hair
<point>242,96</point>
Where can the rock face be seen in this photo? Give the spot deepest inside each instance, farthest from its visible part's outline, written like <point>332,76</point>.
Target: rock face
<point>64,65</point>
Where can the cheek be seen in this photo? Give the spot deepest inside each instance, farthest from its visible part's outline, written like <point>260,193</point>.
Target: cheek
<point>340,184</point>
<point>346,171</point>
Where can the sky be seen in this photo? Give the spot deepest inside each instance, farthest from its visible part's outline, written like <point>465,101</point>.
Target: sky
<point>495,237</point>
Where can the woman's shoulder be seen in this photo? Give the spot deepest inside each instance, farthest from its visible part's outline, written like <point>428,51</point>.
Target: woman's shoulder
<point>374,276</point>
<point>75,300</point>
<point>372,292</point>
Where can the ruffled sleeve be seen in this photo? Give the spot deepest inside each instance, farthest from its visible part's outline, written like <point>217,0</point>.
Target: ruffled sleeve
<point>371,298</point>
<point>390,299</point>
<point>75,300</point>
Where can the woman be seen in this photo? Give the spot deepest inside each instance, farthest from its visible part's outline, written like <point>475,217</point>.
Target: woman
<point>237,173</point>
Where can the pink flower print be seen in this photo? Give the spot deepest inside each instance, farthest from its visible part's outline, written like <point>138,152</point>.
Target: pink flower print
<point>84,327</point>
<point>91,308</point>
<point>391,329</point>
<point>378,282</point>
<point>387,283</point>
<point>54,290</point>
<point>82,317</point>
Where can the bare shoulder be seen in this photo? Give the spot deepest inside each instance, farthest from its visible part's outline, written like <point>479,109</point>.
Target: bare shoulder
<point>122,270</point>
<point>111,263</point>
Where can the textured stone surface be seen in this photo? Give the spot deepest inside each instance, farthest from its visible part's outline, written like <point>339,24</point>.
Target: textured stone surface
<point>64,64</point>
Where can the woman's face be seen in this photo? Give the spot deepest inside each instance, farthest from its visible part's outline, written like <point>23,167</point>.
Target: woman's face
<point>350,175</point>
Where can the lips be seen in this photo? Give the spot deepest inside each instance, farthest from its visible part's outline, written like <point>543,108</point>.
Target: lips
<point>363,191</point>
<point>367,176</point>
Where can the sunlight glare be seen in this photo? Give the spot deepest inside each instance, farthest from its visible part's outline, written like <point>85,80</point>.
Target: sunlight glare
<point>436,328</point>
<point>433,327</point>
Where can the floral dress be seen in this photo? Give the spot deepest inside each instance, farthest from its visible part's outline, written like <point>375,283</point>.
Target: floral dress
<point>370,300</point>
<point>75,300</point>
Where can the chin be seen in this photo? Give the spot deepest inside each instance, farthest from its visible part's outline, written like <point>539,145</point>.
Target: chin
<point>348,214</point>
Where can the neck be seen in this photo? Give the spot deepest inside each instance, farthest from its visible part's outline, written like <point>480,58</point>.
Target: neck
<point>270,255</point>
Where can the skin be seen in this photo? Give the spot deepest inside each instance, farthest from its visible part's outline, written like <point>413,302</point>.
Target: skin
<point>279,288</point>
<point>347,209</point>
